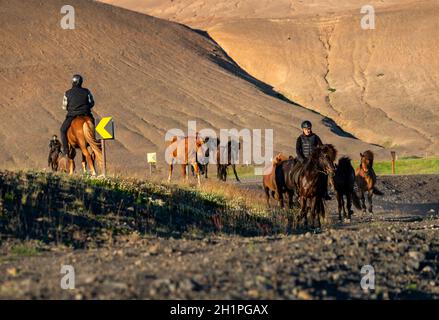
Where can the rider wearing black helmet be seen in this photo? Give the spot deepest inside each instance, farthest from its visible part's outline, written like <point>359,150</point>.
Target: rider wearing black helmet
<point>306,143</point>
<point>78,101</point>
<point>54,146</point>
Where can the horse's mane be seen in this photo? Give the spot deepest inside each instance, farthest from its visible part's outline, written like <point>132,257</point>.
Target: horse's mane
<point>369,155</point>
<point>325,149</point>
<point>344,164</point>
<point>330,150</point>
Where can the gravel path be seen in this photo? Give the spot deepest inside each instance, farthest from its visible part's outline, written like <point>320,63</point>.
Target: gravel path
<point>401,245</point>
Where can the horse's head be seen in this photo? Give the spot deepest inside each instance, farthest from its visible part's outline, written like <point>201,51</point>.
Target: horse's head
<point>325,156</point>
<point>366,162</point>
<point>279,158</point>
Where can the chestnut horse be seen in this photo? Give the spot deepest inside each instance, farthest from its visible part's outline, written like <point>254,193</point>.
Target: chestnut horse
<point>366,179</point>
<point>311,182</point>
<point>80,135</point>
<point>192,152</point>
<point>269,182</point>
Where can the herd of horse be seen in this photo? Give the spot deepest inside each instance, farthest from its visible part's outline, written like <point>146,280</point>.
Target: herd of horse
<point>307,182</point>
<point>303,183</point>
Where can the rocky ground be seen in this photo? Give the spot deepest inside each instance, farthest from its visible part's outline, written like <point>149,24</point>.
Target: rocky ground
<point>402,246</point>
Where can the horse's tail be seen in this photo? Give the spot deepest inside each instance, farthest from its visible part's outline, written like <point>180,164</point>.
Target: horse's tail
<point>95,145</point>
<point>356,200</point>
<point>377,192</point>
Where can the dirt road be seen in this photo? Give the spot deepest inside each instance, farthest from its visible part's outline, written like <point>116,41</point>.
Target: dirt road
<point>400,241</point>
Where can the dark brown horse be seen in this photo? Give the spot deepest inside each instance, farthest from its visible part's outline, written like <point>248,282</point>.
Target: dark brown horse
<point>81,135</point>
<point>311,183</point>
<point>269,181</point>
<point>344,181</point>
<point>225,160</point>
<point>366,179</point>
<point>53,158</point>
<point>184,153</point>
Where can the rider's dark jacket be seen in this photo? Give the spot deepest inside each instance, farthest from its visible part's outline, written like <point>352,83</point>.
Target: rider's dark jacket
<point>78,101</point>
<point>305,145</point>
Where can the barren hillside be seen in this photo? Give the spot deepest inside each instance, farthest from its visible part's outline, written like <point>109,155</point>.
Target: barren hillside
<point>381,85</point>
<point>151,75</point>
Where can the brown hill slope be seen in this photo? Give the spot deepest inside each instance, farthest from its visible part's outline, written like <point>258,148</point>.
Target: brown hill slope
<point>382,85</point>
<point>149,74</point>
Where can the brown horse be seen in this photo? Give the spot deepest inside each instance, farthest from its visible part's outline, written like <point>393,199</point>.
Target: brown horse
<point>269,182</point>
<point>311,182</point>
<point>80,135</point>
<point>192,151</point>
<point>366,179</point>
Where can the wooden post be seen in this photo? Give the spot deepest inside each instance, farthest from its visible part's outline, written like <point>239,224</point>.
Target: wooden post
<point>104,159</point>
<point>150,169</point>
<point>393,153</point>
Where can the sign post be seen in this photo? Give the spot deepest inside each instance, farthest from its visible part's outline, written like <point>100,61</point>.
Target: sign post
<point>152,159</point>
<point>105,131</point>
<point>393,153</point>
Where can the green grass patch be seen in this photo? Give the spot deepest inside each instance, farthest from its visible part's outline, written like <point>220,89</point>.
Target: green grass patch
<point>403,166</point>
<point>24,250</point>
<point>409,165</point>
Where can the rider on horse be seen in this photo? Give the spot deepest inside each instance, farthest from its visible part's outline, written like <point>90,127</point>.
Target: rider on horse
<point>54,148</point>
<point>306,143</point>
<point>78,101</point>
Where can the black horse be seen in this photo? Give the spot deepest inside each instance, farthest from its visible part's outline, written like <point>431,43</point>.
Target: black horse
<point>285,174</point>
<point>344,181</point>
<point>312,181</point>
<point>225,160</point>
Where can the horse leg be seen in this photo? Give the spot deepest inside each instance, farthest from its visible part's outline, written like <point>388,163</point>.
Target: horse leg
<point>234,171</point>
<point>183,172</point>
<point>267,194</point>
<point>87,156</point>
<point>84,165</point>
<point>343,206</point>
<point>224,173</point>
<point>313,211</point>
<point>290,199</point>
<point>171,167</point>
<point>323,211</point>
<point>369,200</point>
<point>205,170</point>
<point>363,201</point>
<point>303,210</point>
<point>340,205</point>
<point>197,172</point>
<point>71,166</point>
<point>349,204</point>
<point>280,198</point>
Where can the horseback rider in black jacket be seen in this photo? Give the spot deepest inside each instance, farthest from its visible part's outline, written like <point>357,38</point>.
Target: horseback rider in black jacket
<point>54,147</point>
<point>78,101</point>
<point>305,145</point>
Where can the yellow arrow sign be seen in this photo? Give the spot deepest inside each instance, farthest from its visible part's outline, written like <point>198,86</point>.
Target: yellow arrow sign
<point>100,128</point>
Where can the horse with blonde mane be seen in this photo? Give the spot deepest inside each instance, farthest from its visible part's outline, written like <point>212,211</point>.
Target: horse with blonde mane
<point>185,151</point>
<point>81,135</point>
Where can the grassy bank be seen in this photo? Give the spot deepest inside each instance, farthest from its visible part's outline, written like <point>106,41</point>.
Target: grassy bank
<point>83,212</point>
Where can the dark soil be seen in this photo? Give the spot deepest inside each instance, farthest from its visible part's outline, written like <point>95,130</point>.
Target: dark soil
<point>400,241</point>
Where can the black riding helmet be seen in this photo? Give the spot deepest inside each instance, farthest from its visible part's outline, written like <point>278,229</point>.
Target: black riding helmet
<point>77,80</point>
<point>306,124</point>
